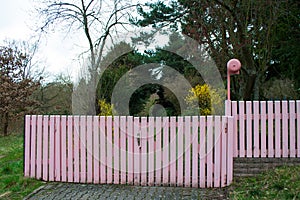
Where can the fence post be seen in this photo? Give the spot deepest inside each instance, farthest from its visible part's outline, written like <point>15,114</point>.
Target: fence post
<point>230,150</point>
<point>228,108</point>
<point>27,147</point>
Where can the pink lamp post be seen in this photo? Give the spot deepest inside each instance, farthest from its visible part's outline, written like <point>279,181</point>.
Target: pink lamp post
<point>233,67</point>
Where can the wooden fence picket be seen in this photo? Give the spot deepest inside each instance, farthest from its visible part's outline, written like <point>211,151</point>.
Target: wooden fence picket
<point>107,128</point>
<point>45,150</point>
<point>158,151</point>
<point>202,152</point>
<point>144,153</point>
<point>173,146</point>
<point>116,147</point>
<point>263,123</point>
<point>195,148</point>
<point>51,146</point>
<point>271,133</point>
<point>39,147</point>
<point>242,133</point>
<point>256,145</point>
<point>209,151</point>
<point>165,151</point>
<point>89,148</point>
<point>96,151</point>
<point>187,149</point>
<point>292,127</point>
<point>151,151</point>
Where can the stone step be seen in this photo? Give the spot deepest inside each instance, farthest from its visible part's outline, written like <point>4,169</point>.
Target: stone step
<point>245,167</point>
<point>266,160</point>
<point>244,175</point>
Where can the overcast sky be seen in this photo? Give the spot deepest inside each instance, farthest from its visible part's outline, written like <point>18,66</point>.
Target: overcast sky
<point>56,53</point>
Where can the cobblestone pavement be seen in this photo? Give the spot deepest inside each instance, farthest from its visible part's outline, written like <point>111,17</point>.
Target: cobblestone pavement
<point>53,191</point>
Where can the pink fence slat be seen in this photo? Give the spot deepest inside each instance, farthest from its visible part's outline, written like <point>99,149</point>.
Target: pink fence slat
<point>33,147</point>
<point>136,149</point>
<point>180,152</point>
<point>270,129</point>
<point>110,150</point>
<point>285,129</point>
<point>298,128</point>
<point>123,139</point>
<point>130,149</point>
<point>256,132</point>
<point>52,148</point>
<point>217,151</point>
<point>102,149</point>
<point>70,149</point>
<point>202,152</point>
<point>263,119</point>
<point>292,127</point>
<point>224,152</point>
<point>151,148</point>
<point>235,128</point>
<point>229,150</point>
<point>45,149</point>
<point>27,151</point>
<point>165,158</point>
<point>242,133</point>
<point>249,144</point>
<point>96,149</point>
<point>277,129</point>
<point>144,153</point>
<point>158,151</point>
<point>57,148</point>
<point>116,147</point>
<point>83,149</point>
<point>195,147</point>
<point>210,149</point>
<point>187,152</point>
<point>173,151</point>
<point>89,148</point>
<point>39,148</point>
<point>76,149</point>
<point>63,148</point>
<point>228,108</point>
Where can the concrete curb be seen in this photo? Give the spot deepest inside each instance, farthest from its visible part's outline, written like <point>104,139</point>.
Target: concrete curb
<point>37,190</point>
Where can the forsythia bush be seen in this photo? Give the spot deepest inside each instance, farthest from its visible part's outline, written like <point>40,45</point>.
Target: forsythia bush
<point>106,109</point>
<point>204,97</point>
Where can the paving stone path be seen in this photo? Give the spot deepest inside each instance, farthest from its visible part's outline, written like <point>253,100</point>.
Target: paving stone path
<point>62,191</point>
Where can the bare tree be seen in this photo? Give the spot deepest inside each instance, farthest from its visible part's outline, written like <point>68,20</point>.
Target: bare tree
<point>99,20</point>
<point>15,90</point>
<point>32,67</point>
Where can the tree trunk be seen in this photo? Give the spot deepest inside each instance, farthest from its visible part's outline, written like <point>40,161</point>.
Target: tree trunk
<point>5,124</point>
<point>249,87</point>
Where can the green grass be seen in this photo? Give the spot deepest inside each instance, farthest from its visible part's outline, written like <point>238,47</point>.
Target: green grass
<point>280,183</point>
<point>13,184</point>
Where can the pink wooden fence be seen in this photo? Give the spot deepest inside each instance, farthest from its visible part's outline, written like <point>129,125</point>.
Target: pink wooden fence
<point>180,151</point>
<point>265,128</point>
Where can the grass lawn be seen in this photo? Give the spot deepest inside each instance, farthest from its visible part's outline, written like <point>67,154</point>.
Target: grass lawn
<point>280,183</point>
<point>13,185</point>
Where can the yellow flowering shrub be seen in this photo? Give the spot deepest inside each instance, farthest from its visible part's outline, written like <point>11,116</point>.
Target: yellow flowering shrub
<point>206,98</point>
<point>106,109</point>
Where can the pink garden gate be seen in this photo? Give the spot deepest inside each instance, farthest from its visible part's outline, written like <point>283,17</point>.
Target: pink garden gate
<point>178,151</point>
